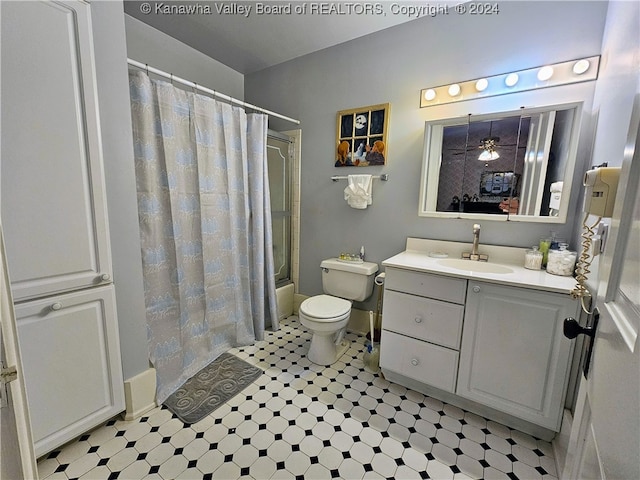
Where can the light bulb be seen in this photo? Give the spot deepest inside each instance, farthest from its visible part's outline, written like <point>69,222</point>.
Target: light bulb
<point>545,73</point>
<point>581,66</point>
<point>487,155</point>
<point>482,84</point>
<point>429,94</point>
<point>454,90</point>
<point>511,79</point>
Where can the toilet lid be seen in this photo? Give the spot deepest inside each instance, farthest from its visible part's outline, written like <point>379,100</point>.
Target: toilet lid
<point>325,306</point>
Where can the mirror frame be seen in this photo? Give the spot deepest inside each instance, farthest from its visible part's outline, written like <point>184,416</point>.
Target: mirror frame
<point>429,177</point>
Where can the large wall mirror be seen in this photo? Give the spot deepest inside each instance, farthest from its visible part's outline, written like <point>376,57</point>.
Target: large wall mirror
<point>514,165</point>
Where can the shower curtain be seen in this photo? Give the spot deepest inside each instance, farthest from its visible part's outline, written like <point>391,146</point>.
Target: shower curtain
<point>205,227</point>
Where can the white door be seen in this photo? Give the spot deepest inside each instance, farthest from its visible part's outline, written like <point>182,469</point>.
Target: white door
<point>605,437</point>
<point>17,458</point>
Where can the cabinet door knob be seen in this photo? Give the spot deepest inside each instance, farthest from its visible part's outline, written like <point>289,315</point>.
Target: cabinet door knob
<point>476,289</point>
<point>105,277</point>
<point>415,362</point>
<point>418,319</point>
<point>56,306</point>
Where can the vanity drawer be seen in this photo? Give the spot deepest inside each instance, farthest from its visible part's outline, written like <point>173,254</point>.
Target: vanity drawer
<point>421,361</point>
<point>440,287</point>
<point>423,318</point>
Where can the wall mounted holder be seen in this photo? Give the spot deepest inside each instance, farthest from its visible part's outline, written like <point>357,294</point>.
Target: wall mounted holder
<point>384,177</point>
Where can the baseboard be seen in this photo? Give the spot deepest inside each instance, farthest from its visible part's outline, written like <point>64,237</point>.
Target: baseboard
<point>284,299</point>
<point>140,394</point>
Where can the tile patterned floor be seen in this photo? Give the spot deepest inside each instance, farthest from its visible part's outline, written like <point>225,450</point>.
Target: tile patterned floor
<point>303,421</point>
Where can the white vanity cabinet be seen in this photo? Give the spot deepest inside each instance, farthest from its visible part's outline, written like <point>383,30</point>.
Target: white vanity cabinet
<point>513,356</point>
<point>422,325</point>
<point>55,220</point>
<point>492,348</point>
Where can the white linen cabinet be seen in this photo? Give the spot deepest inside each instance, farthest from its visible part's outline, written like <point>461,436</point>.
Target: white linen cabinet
<point>55,221</point>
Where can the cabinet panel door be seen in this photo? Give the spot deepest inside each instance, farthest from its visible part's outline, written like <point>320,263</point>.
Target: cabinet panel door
<point>51,168</point>
<point>423,318</point>
<point>514,356</point>
<point>71,362</point>
<point>421,361</point>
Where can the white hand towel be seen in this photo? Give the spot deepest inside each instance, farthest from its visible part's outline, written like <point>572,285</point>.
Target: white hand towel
<point>358,192</point>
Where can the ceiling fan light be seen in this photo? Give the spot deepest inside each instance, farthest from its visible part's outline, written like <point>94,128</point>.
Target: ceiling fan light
<point>487,155</point>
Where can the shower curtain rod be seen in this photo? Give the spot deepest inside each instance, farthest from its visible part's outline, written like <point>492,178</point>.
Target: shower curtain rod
<point>222,96</point>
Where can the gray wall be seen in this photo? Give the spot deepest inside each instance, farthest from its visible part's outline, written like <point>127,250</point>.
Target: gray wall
<point>617,86</point>
<point>619,81</point>
<point>148,45</point>
<point>392,66</point>
<point>117,146</point>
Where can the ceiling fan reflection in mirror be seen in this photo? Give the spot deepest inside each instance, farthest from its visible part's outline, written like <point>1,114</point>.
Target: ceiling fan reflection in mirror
<point>488,146</point>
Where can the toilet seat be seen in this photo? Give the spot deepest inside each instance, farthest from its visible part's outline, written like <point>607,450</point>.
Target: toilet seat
<point>325,308</point>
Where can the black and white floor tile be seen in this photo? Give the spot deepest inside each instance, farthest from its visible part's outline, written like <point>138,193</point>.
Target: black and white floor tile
<point>303,421</point>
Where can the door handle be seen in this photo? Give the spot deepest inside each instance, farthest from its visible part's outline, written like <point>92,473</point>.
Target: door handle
<point>571,329</point>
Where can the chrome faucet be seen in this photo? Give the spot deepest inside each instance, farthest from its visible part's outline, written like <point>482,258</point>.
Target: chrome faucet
<point>474,255</point>
<point>476,238</point>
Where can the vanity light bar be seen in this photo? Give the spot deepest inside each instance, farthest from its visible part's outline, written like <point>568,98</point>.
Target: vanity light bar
<point>563,73</point>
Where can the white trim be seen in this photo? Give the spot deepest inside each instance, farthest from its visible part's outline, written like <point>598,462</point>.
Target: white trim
<point>627,331</point>
<point>18,395</point>
<point>140,394</point>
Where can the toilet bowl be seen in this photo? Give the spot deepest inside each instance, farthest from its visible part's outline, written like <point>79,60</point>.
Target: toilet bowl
<point>327,315</point>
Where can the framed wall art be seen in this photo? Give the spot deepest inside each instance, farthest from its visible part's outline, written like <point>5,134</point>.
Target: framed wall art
<point>361,138</point>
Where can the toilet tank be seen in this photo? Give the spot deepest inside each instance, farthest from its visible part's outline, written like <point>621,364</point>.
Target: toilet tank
<point>350,280</point>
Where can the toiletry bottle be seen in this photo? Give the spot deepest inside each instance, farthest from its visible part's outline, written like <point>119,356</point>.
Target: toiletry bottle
<point>362,253</point>
<point>544,245</point>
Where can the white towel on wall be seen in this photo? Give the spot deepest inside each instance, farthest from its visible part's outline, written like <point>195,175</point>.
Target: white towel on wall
<point>358,192</point>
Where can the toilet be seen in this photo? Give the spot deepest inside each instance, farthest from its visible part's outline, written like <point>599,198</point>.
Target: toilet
<point>327,315</point>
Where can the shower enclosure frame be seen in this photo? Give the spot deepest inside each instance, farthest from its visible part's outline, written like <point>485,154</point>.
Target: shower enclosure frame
<point>284,182</point>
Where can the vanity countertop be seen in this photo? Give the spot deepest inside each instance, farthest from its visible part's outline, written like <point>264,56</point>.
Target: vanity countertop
<point>417,258</point>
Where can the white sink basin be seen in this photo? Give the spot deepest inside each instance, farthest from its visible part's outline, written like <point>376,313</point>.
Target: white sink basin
<point>473,266</point>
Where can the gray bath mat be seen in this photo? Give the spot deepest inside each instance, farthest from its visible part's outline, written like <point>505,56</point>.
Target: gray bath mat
<point>211,387</point>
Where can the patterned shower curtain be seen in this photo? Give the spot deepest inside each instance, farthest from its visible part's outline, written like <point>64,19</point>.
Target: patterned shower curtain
<point>205,227</point>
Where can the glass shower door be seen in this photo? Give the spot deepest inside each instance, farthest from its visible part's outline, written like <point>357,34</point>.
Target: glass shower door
<point>279,165</point>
